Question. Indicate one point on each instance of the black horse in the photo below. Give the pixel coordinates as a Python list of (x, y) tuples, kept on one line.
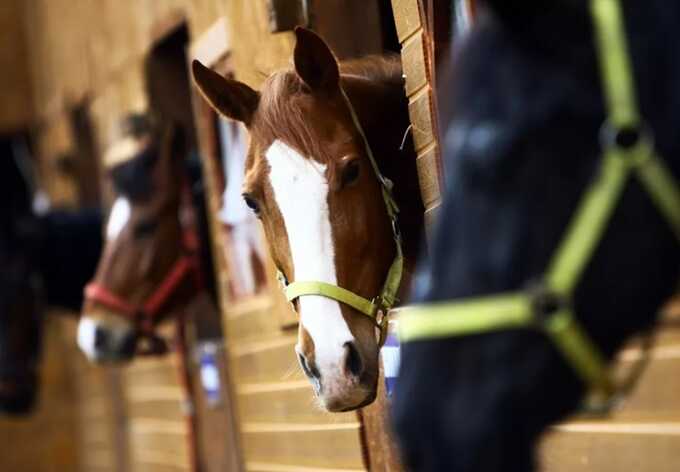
[(521, 146), (45, 260)]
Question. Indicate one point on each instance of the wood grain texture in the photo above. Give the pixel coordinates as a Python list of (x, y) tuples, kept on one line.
[(333, 447), (413, 63)]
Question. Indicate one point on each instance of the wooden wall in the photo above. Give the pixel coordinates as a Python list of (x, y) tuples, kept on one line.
[(16, 94), (644, 434), (47, 440)]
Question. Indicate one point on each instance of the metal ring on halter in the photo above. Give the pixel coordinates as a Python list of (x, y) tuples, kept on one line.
[(613, 137)]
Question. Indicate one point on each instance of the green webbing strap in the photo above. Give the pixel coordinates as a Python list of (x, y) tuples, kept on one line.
[(503, 312), (587, 226), (619, 89), (299, 289), (577, 348), (663, 189), (388, 295), (615, 69), (585, 230), (471, 316)]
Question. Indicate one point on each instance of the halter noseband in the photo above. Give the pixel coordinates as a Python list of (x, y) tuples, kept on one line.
[(145, 316), (549, 308), (378, 307)]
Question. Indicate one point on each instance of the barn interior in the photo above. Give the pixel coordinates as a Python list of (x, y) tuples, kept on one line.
[(233, 398)]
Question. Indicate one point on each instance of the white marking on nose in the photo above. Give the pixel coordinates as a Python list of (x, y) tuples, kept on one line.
[(118, 218), (86, 337), (301, 193)]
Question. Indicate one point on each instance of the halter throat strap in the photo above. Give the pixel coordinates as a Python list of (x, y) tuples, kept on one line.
[(378, 307), (549, 308)]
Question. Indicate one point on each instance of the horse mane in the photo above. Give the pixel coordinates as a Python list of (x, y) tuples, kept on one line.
[(384, 69), (281, 115), (133, 178)]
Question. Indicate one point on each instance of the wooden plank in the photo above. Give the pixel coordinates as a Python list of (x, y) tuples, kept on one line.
[(273, 361), (213, 44), (413, 63), (406, 17), (291, 401), (331, 447), (428, 176), (611, 447), (420, 111), (266, 467)]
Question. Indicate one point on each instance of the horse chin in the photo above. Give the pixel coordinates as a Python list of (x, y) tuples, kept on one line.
[(105, 343), (351, 398)]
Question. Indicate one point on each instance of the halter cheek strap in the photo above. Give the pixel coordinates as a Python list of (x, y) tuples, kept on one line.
[(378, 307), (548, 309)]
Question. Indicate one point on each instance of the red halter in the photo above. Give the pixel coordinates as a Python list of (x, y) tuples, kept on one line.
[(145, 315)]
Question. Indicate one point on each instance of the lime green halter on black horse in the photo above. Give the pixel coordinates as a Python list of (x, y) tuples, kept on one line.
[(628, 152), (556, 241)]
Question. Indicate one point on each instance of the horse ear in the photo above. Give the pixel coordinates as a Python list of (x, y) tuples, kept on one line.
[(233, 99), (314, 61)]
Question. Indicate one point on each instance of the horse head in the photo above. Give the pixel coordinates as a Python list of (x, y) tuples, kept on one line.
[(147, 269), (309, 180)]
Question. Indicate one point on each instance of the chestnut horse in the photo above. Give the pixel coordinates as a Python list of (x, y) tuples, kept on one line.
[(310, 181), (525, 144), (151, 267)]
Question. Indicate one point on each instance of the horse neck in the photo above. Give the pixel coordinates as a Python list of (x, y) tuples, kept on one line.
[(383, 111)]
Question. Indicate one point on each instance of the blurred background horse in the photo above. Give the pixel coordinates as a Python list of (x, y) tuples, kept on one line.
[(46, 259), (153, 264)]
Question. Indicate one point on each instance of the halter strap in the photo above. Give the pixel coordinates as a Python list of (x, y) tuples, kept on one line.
[(378, 307), (549, 309)]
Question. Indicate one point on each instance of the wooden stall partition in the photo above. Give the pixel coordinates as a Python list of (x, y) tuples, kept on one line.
[(156, 405), (417, 55), (101, 414), (642, 435)]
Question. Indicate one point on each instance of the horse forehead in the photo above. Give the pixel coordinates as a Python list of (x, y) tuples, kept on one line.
[(118, 218), (287, 165)]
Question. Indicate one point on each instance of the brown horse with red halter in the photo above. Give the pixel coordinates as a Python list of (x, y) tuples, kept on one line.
[(150, 265), (326, 173)]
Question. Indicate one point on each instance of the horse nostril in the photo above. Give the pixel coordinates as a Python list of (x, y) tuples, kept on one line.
[(100, 338), (353, 363), (309, 368)]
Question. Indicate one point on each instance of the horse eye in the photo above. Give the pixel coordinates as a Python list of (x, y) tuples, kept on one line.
[(350, 173), (145, 228), (252, 204)]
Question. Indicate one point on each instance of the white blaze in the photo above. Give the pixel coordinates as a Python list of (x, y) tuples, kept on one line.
[(301, 193), (86, 337), (118, 218)]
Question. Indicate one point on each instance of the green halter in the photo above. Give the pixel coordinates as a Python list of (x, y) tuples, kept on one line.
[(378, 307), (549, 308)]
